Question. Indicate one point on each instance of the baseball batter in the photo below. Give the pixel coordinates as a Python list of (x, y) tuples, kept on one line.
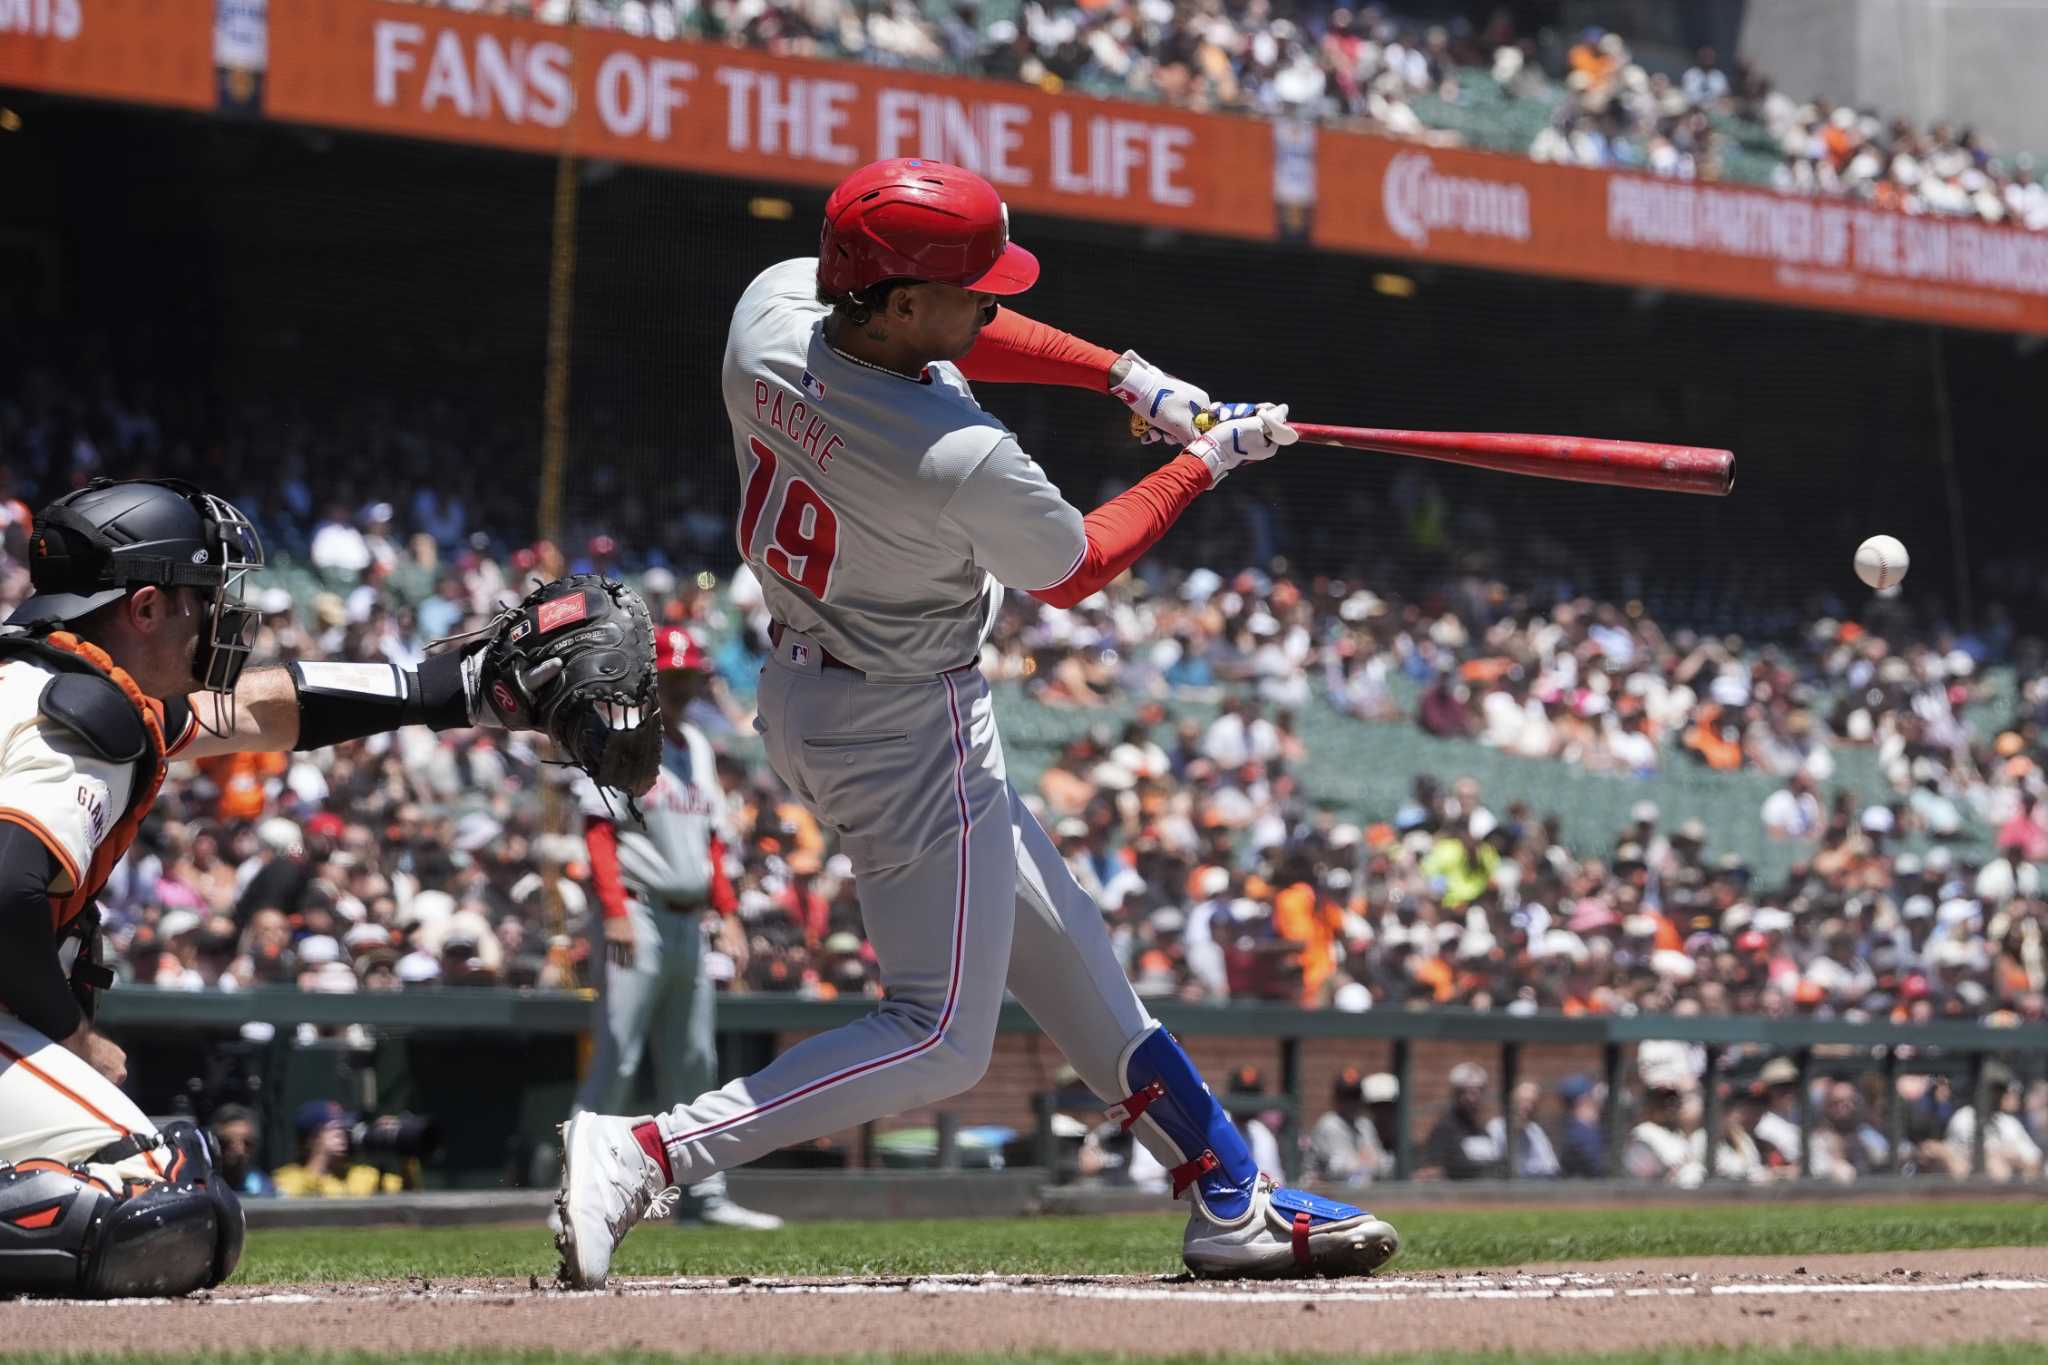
[(885, 513), (657, 869), (131, 652)]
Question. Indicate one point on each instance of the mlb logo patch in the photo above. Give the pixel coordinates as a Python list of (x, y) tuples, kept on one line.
[(560, 612), (814, 386), (800, 654)]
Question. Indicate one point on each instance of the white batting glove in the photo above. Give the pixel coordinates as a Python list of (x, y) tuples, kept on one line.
[(1167, 403), (1244, 440)]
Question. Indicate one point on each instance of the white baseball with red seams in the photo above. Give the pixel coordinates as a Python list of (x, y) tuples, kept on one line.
[(1881, 562)]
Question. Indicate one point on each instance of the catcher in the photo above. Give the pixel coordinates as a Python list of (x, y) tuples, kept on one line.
[(129, 654)]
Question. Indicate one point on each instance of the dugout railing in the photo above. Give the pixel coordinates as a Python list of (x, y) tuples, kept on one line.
[(509, 1058)]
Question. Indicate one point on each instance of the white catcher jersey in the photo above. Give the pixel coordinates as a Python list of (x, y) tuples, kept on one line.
[(883, 514), (666, 855), (51, 782)]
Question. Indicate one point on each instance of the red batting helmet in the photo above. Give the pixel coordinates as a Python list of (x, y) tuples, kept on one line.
[(673, 649), (911, 219)]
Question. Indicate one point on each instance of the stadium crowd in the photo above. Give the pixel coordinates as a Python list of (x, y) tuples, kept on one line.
[(1370, 67)]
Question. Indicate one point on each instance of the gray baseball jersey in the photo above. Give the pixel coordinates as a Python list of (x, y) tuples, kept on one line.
[(882, 513), (666, 854)]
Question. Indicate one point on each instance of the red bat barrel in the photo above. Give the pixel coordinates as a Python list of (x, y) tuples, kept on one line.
[(1578, 459)]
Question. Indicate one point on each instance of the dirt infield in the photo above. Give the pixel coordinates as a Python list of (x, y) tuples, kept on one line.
[(1925, 1298)]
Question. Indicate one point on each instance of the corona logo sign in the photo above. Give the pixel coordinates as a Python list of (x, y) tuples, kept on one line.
[(1417, 200)]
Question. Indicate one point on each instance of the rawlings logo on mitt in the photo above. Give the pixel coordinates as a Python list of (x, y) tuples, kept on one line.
[(576, 659)]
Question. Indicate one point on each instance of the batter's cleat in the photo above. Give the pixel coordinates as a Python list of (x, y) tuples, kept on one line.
[(719, 1212), (1287, 1232), (608, 1185)]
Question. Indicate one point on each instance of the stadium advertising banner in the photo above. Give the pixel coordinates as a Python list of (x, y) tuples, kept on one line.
[(702, 107), (144, 51), (1476, 208), (424, 71)]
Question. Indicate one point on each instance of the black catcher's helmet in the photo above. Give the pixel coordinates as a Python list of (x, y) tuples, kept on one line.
[(94, 546)]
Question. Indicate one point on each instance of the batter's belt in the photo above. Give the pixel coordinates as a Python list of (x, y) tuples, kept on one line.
[(825, 656)]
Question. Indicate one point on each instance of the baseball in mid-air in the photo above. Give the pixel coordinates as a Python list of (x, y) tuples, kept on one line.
[(1881, 562)]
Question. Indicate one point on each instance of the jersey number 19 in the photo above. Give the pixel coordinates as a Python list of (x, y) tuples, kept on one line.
[(805, 535)]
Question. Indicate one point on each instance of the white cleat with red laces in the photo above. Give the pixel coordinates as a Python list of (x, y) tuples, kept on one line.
[(608, 1185)]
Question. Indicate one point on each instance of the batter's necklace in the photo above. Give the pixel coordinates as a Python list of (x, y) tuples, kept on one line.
[(923, 377)]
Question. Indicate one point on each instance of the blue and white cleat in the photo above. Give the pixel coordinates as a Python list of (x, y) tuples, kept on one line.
[(1287, 1232)]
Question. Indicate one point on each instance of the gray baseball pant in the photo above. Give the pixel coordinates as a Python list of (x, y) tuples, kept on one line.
[(961, 893)]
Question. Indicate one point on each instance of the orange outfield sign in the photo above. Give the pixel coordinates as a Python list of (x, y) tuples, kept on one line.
[(421, 71), (1506, 213), (145, 51), (702, 107)]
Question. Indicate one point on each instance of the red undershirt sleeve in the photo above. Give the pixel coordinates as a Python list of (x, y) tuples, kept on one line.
[(724, 899), (1128, 525), (1016, 350), (602, 837)]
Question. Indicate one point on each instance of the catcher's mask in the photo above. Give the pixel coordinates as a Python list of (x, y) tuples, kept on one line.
[(94, 546)]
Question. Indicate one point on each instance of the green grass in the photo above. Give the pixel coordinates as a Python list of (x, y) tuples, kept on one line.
[(1987, 1353), (1144, 1244)]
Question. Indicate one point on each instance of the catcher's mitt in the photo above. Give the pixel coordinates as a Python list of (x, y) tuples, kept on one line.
[(576, 659)]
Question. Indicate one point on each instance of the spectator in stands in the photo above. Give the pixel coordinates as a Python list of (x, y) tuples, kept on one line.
[(1459, 1147), (1662, 1147), (1793, 811), (235, 1139), (324, 1168), (2010, 1151), (1582, 1137), (1534, 1156), (1344, 1144)]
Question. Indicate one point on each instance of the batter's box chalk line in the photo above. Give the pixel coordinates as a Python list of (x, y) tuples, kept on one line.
[(1164, 1289)]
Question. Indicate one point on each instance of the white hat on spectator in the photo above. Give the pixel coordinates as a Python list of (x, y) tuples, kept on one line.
[(1448, 931), (1482, 823), (1877, 820), (1418, 842), (1214, 881), (1201, 584), (1352, 998), (1072, 827), (1940, 859), (658, 581), (368, 936), (280, 835), (1475, 943), (1167, 920), (176, 924), (1361, 606), (428, 908), (333, 978), (414, 968), (1644, 813), (476, 830), (1771, 920), (473, 928), (1958, 910), (1344, 835), (1382, 1087), (1736, 917), (1952, 952), (1672, 965), (1562, 943), (316, 949), (839, 866), (1639, 925), (274, 602)]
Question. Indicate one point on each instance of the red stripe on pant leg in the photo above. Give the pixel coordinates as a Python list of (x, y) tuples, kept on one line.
[(946, 1010), (68, 1093)]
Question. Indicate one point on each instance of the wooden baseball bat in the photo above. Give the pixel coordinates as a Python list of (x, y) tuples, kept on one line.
[(1577, 459)]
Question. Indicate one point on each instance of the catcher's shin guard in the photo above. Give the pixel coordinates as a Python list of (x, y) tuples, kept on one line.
[(1164, 1090), (67, 1235)]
